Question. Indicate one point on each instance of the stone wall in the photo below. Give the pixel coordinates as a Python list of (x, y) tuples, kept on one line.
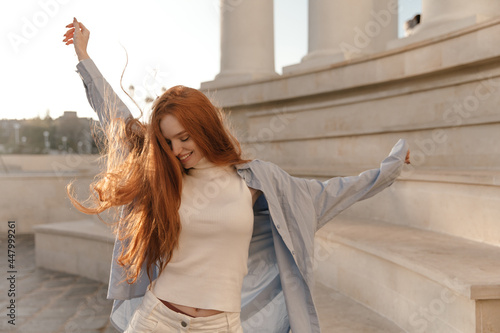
[(442, 95), (33, 188)]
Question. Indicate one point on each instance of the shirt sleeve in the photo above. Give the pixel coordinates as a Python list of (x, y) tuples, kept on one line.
[(331, 197), (100, 95)]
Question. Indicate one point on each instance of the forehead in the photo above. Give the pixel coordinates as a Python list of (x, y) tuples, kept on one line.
[(170, 126)]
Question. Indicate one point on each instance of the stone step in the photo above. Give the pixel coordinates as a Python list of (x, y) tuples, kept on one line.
[(462, 203), (83, 248), (422, 281), (340, 314)]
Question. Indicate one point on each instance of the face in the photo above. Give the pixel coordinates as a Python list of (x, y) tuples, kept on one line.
[(183, 147)]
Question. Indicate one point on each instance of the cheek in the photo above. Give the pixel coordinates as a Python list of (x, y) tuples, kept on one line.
[(194, 147), (191, 146)]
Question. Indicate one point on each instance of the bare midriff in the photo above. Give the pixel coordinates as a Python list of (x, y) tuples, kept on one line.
[(190, 311)]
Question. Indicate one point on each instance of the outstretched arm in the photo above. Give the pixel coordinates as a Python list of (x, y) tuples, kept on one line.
[(336, 194), (100, 95)]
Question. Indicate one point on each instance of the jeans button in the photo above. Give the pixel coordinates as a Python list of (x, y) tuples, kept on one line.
[(184, 324)]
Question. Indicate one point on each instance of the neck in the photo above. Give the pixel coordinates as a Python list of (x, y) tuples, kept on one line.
[(204, 163)]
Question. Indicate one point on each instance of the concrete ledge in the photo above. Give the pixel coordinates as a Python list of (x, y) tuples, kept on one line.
[(40, 198), (82, 247), (453, 176), (417, 59), (458, 204), (439, 257), (420, 280)]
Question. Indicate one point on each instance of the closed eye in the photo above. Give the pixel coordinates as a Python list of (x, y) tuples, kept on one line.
[(185, 139)]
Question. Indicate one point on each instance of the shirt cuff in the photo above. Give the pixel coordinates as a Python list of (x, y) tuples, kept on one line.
[(88, 70)]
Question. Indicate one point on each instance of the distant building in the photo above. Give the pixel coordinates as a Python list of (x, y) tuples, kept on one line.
[(66, 134)]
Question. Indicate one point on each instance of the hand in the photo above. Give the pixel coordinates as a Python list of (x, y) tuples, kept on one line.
[(78, 35), (407, 159)]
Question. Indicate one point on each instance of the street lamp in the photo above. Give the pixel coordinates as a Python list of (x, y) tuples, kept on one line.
[(17, 126), (46, 140), (64, 141)]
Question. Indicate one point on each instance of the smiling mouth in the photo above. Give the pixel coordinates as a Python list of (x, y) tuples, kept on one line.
[(184, 157)]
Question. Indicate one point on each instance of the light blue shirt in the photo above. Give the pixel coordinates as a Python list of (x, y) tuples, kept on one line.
[(276, 293)]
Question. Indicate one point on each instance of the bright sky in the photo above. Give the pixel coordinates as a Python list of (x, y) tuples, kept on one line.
[(177, 40)]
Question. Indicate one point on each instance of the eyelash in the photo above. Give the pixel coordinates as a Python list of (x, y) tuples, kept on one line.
[(184, 140)]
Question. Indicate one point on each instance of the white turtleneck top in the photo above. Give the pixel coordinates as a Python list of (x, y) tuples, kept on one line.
[(207, 269)]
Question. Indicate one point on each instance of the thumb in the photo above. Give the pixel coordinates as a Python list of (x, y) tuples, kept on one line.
[(84, 29), (76, 25)]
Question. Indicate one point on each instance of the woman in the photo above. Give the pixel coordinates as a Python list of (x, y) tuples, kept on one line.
[(198, 217)]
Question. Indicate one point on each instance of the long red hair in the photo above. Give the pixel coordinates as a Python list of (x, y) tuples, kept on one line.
[(144, 175)]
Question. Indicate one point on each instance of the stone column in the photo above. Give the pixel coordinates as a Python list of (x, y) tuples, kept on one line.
[(443, 16), (247, 42), (345, 29)]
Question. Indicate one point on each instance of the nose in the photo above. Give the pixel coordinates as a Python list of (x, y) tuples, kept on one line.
[(176, 148)]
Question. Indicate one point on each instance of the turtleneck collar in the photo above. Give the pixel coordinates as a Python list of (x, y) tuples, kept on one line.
[(203, 163), (205, 168)]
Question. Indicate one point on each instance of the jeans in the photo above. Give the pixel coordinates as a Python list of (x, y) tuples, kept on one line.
[(153, 316)]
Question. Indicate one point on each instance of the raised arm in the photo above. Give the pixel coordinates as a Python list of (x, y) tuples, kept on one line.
[(100, 95)]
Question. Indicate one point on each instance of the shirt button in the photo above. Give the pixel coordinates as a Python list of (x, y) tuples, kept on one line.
[(293, 253), (184, 324), (277, 226)]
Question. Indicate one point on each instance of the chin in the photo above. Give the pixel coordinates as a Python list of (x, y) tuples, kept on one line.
[(191, 164)]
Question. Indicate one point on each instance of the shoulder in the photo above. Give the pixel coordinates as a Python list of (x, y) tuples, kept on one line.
[(264, 173), (260, 166)]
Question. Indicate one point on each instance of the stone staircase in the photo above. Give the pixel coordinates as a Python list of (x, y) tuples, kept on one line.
[(425, 265)]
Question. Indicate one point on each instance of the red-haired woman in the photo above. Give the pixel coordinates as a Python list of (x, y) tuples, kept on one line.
[(207, 241)]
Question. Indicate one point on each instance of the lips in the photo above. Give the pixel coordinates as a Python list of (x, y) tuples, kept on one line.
[(183, 158)]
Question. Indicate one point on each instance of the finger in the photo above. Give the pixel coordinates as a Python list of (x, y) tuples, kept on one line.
[(69, 32), (82, 26), (69, 25), (76, 24)]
